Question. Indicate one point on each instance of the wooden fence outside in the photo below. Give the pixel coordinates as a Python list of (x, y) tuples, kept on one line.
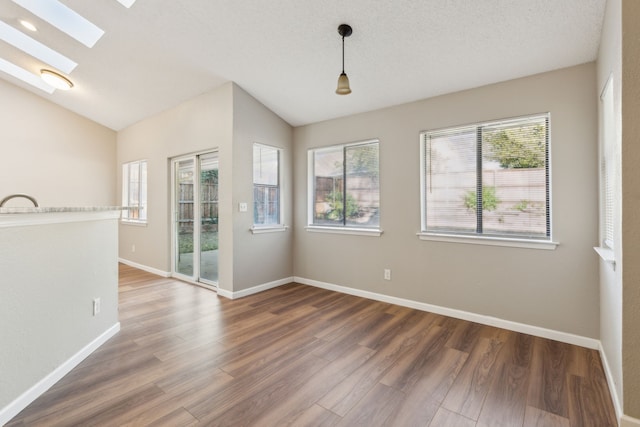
[(208, 203)]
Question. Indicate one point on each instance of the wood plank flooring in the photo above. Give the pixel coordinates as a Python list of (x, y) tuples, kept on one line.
[(302, 356)]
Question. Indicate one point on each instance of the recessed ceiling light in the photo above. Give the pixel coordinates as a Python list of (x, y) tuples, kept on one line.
[(65, 19), (56, 80), (28, 25), (24, 75), (127, 3), (36, 49)]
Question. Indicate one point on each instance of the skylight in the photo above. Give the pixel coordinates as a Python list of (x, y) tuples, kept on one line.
[(24, 75), (35, 48), (64, 19)]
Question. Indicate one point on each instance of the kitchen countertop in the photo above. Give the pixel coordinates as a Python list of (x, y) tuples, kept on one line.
[(32, 210), (26, 216)]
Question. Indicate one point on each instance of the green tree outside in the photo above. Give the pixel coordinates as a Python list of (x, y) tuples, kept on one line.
[(517, 148)]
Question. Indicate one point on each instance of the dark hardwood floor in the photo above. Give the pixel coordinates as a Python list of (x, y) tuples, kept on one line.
[(302, 356)]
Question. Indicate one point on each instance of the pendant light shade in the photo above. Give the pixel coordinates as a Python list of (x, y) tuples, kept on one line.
[(343, 85), (343, 81)]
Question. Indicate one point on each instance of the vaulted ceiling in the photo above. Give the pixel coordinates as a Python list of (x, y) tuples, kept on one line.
[(287, 53)]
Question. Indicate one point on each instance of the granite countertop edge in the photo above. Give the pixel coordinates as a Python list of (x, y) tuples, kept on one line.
[(44, 210)]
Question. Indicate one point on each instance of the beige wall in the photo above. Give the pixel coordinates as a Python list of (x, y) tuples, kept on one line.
[(551, 289), (620, 289), (631, 206), (229, 121), (201, 124), (59, 157), (50, 275), (259, 258), (62, 159), (610, 65)]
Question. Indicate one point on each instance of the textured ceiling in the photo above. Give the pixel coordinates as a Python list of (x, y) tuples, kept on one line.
[(286, 53)]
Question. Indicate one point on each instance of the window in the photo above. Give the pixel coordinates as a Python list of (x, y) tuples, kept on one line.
[(608, 164), (488, 180), (344, 186), (266, 186), (134, 191)]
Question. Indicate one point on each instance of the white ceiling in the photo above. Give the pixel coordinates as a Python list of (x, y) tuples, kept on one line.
[(287, 53)]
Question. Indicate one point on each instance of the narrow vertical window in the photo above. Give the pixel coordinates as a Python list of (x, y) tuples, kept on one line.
[(134, 191), (345, 187), (608, 162), (266, 186)]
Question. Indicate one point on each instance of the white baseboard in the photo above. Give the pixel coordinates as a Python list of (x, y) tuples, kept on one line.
[(25, 399), (145, 268), (222, 292), (617, 404), (460, 314), (626, 421), (255, 289)]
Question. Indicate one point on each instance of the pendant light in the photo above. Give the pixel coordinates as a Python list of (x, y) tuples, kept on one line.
[(343, 81)]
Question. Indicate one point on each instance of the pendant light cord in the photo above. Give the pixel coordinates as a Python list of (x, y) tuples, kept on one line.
[(342, 54)]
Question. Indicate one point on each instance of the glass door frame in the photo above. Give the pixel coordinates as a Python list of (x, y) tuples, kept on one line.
[(197, 278)]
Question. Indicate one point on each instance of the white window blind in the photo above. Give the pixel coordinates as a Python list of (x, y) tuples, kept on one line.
[(266, 185), (489, 179), (134, 191), (608, 165)]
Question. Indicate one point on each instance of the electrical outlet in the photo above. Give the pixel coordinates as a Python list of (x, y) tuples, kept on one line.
[(133, 248), (387, 274), (96, 306), (243, 207)]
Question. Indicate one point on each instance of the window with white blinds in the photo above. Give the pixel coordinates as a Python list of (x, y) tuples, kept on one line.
[(134, 191), (266, 185), (489, 179), (608, 165)]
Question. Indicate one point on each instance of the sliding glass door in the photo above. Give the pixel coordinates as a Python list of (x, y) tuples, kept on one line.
[(195, 227), (208, 242)]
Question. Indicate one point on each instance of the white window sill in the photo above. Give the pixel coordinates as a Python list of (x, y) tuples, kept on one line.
[(134, 223), (273, 229), (490, 241), (375, 232), (607, 255)]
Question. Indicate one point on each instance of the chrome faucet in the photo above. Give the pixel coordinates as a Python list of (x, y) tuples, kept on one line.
[(6, 199)]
